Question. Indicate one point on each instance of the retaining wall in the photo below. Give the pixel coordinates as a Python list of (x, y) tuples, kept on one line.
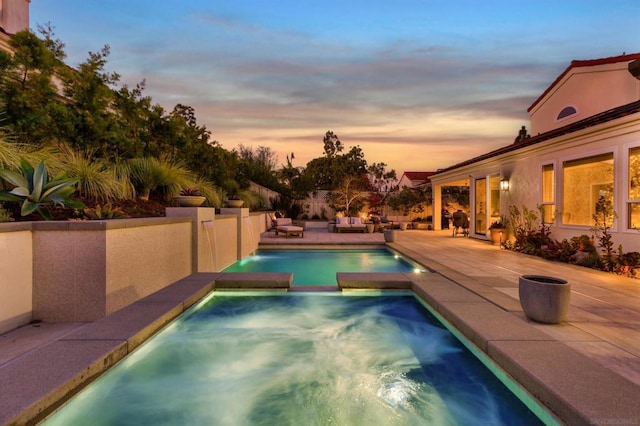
[(82, 271)]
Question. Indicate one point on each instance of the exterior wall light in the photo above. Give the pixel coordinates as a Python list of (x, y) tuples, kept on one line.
[(504, 184)]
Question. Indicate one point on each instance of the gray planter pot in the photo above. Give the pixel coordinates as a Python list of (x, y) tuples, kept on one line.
[(389, 235), (234, 203), (544, 299), (190, 200)]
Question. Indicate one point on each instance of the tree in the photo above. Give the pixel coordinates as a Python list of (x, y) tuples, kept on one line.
[(332, 144), (329, 171), (381, 183), (258, 166), (201, 155), (28, 94), (90, 101), (456, 195), (408, 200), (348, 196)]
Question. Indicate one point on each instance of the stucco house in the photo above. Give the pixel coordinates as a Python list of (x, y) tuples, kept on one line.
[(584, 144), (14, 17), (414, 179)]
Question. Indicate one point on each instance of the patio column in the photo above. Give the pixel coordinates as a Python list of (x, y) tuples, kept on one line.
[(437, 207)]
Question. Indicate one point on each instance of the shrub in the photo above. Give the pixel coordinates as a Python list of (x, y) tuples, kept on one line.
[(162, 177), (104, 212), (98, 181), (5, 215), (190, 192), (499, 224), (532, 235), (603, 218)]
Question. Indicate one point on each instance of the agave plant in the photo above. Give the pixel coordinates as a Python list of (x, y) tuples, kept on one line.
[(34, 190)]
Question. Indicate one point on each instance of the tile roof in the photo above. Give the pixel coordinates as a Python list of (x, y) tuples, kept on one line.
[(418, 175), (603, 117)]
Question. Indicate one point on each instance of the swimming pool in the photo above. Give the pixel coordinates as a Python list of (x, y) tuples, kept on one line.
[(299, 358), (319, 267)]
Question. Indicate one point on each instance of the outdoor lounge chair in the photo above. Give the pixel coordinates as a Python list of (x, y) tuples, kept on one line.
[(460, 223), (286, 226), (350, 224)]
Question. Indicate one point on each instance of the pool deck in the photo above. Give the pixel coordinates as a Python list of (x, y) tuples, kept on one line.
[(586, 369)]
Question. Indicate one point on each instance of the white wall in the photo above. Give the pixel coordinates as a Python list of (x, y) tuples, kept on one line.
[(523, 170), (590, 90)]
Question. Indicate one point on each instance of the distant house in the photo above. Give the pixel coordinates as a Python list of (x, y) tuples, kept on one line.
[(585, 145), (414, 179), (14, 16)]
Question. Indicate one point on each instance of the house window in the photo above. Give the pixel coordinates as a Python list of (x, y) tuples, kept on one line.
[(548, 194), (566, 112), (481, 206), (494, 199), (633, 195), (584, 181)]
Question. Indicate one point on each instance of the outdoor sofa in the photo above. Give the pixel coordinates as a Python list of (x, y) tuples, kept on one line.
[(350, 224), (399, 222)]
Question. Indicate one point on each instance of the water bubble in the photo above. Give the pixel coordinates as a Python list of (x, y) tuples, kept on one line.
[(396, 390)]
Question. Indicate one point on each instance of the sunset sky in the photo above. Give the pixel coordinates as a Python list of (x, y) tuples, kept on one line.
[(418, 84)]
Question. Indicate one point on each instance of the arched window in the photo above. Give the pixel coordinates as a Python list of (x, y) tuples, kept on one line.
[(566, 112)]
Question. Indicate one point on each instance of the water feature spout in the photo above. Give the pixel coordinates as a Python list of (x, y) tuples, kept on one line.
[(252, 245), (211, 238)]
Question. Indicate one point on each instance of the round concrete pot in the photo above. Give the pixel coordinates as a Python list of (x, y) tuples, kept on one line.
[(544, 299), (190, 200), (234, 203)]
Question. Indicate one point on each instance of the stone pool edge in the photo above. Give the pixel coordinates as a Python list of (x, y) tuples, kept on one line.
[(576, 389)]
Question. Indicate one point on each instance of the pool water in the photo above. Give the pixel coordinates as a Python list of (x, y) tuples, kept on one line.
[(319, 267), (299, 359)]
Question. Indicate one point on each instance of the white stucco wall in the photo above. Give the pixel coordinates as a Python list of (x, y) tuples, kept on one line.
[(523, 168), (590, 90)]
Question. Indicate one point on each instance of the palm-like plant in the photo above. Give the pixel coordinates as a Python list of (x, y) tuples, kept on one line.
[(33, 188)]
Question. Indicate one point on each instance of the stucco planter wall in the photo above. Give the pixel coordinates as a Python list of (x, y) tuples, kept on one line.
[(544, 299), (86, 270), (81, 271), (16, 267)]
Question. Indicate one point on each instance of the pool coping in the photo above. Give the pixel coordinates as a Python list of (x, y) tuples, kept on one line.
[(575, 388)]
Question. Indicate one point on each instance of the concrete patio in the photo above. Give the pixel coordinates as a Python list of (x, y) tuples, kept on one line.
[(587, 369)]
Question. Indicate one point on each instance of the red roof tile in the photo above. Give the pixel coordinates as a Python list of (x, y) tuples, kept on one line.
[(418, 175)]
